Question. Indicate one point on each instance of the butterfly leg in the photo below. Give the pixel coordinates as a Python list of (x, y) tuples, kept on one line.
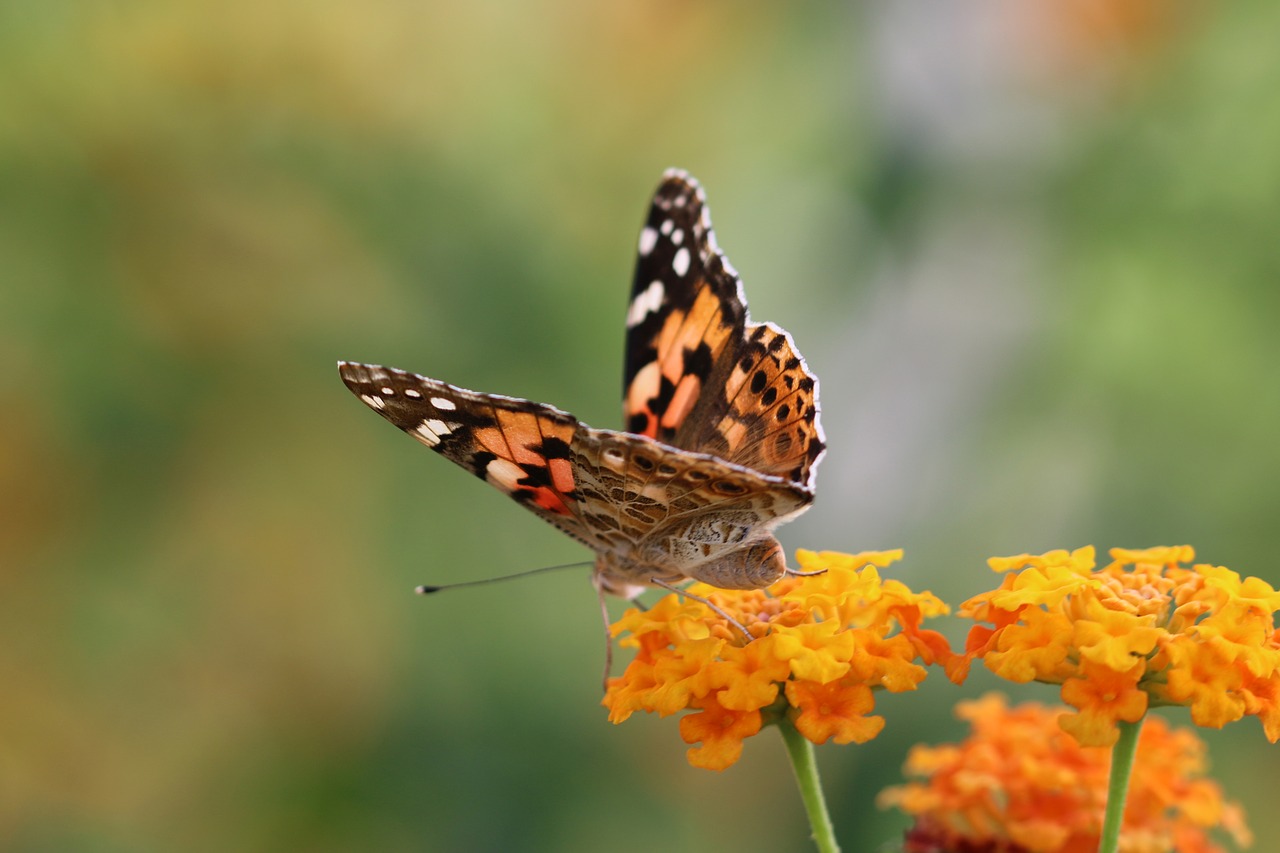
[(608, 639), (812, 574), (719, 611)]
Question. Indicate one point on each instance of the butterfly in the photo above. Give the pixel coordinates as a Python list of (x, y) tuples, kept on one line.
[(722, 437)]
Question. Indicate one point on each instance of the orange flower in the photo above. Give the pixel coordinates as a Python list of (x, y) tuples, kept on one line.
[(1019, 783), (1103, 697), (1144, 630), (721, 732), (820, 646), (834, 711)]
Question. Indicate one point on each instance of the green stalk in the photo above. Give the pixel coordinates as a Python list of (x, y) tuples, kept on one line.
[(1122, 754), (800, 751)]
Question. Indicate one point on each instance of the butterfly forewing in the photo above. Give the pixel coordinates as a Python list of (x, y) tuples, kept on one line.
[(521, 447), (607, 489), (698, 374)]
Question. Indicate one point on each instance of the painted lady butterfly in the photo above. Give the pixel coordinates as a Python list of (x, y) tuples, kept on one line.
[(722, 440)]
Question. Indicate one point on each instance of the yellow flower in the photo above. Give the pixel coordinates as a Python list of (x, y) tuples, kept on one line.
[(817, 651), (820, 646), (1019, 783), (1112, 638), (1145, 630)]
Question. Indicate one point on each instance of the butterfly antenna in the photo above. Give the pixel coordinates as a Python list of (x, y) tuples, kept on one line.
[(427, 589)]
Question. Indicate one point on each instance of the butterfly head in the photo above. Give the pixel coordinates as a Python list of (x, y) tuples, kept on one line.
[(612, 585)]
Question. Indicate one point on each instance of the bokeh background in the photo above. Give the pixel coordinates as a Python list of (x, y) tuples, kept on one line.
[(1030, 248)]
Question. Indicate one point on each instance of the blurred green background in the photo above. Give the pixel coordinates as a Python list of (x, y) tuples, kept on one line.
[(1030, 250)]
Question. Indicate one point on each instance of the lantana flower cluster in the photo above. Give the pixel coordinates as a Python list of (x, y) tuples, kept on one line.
[(1019, 783), (819, 647), (1145, 630)]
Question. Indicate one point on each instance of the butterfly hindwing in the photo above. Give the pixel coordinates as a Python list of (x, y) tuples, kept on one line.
[(771, 421), (658, 511), (698, 374)]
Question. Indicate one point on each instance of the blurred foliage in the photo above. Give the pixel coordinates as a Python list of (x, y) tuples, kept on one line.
[(1029, 252)]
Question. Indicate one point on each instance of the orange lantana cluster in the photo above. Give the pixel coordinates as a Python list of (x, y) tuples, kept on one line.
[(1144, 630), (1019, 783), (819, 646)]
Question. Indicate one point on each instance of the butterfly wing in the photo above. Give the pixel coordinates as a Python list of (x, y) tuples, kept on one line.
[(521, 447), (623, 495), (698, 373)]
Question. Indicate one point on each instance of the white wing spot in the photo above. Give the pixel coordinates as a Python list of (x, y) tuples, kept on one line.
[(443, 403), (504, 473), (410, 392), (667, 226), (677, 236), (680, 263), (648, 239), (437, 426), (681, 200), (428, 437), (372, 401), (646, 302), (388, 392)]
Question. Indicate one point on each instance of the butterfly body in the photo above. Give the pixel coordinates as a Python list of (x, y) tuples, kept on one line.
[(722, 435)]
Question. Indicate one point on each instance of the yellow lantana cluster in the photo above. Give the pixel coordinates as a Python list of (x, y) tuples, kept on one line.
[(1145, 630), (819, 646), (1020, 783)]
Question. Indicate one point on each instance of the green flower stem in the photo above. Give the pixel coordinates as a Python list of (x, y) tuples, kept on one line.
[(800, 751), (1118, 788)]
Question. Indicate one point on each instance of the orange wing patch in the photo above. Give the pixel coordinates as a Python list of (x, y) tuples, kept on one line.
[(518, 446), (521, 441), (688, 345)]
